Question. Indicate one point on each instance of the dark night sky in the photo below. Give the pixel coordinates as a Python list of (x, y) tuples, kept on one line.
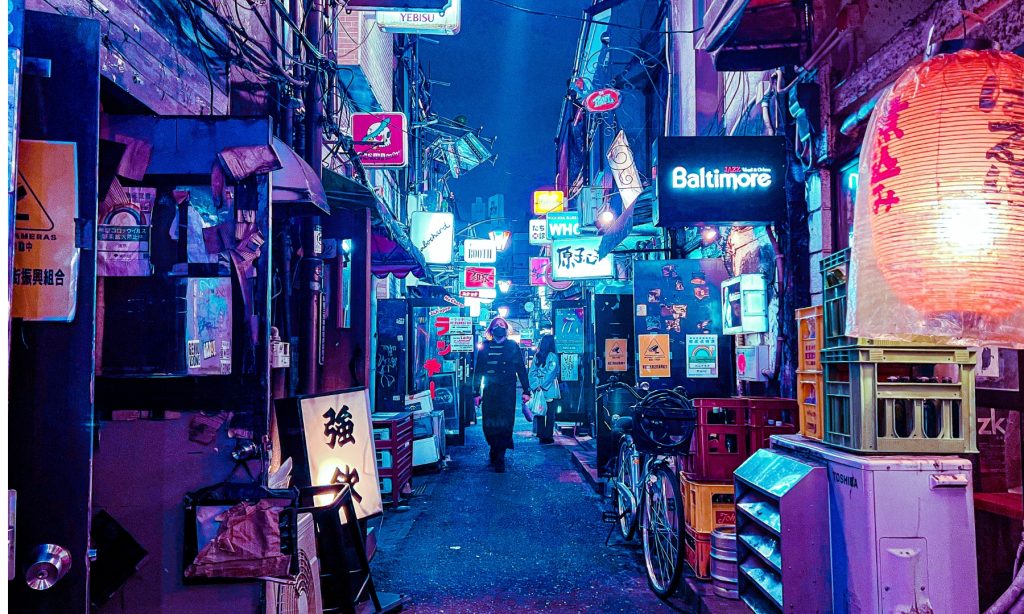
[(508, 73)]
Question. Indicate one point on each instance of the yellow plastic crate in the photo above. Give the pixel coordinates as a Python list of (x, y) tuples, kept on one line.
[(811, 327), (707, 505), (810, 391)]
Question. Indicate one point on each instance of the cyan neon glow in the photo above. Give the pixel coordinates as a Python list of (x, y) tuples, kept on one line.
[(731, 177)]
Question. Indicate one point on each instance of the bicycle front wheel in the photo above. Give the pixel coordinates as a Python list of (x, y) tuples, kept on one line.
[(624, 508), (662, 531)]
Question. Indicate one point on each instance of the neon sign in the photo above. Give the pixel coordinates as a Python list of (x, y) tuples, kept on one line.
[(602, 100), (731, 177)]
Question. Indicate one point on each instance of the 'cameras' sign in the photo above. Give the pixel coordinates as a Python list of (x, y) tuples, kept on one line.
[(720, 180)]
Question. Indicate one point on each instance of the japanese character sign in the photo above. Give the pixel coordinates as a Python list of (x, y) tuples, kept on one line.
[(339, 447), (578, 258)]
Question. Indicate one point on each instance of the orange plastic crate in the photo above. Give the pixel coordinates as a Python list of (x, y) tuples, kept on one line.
[(810, 390), (698, 553), (810, 324), (708, 505)]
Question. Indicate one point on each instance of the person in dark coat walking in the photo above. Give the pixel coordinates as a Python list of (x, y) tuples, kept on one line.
[(498, 363)]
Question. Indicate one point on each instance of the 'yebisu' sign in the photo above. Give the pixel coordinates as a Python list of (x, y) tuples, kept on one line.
[(720, 180)]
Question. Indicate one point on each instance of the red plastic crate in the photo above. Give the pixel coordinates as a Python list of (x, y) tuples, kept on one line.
[(720, 411), (759, 435), (762, 409), (716, 451), (698, 553)]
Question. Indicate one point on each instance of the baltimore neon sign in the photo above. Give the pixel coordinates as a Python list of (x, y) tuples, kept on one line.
[(729, 178)]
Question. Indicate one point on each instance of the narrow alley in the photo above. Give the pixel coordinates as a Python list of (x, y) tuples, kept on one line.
[(529, 540)]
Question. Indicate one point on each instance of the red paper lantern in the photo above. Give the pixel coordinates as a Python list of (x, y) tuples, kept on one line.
[(942, 182)]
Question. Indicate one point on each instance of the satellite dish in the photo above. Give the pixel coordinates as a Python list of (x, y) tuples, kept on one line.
[(529, 307)]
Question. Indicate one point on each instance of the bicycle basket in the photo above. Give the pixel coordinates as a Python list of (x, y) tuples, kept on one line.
[(664, 424)]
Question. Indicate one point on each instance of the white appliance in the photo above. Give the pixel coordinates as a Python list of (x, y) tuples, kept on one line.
[(902, 530), (745, 305), (301, 595), (428, 445)]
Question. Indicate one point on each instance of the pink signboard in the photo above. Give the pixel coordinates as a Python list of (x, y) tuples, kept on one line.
[(381, 139), (539, 271), (479, 277)]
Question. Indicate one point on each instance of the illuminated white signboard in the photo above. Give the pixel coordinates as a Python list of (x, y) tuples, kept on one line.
[(433, 234), (577, 258), (539, 232), (480, 251), (563, 225), (446, 22)]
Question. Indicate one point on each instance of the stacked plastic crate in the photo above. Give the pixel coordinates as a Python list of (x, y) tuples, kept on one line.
[(392, 440), (810, 378), (728, 432), (888, 397)]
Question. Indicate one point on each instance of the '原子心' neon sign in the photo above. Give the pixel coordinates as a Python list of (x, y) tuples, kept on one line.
[(730, 178)]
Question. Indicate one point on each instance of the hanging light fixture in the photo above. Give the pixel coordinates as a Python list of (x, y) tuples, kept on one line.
[(940, 208)]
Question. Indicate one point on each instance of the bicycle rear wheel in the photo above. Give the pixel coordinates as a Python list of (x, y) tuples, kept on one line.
[(662, 531), (624, 507)]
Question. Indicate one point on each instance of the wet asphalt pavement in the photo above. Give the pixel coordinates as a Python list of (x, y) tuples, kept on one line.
[(529, 540)]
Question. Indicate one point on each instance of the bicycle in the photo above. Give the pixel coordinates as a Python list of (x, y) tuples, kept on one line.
[(646, 484)]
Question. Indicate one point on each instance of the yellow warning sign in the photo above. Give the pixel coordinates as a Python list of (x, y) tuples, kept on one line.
[(615, 355), (45, 257), (655, 358)]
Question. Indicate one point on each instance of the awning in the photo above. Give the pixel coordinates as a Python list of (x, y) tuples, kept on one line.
[(749, 35), (296, 184), (392, 252), (639, 214)]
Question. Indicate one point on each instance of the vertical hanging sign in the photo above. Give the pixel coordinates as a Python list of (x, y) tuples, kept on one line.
[(45, 253)]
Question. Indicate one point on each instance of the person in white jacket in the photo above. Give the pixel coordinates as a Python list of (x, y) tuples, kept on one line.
[(544, 381)]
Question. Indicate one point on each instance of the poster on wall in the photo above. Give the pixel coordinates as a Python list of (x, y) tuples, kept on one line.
[(655, 356), (336, 445), (702, 356), (569, 330), (615, 358), (45, 276), (679, 298), (570, 367), (208, 326)]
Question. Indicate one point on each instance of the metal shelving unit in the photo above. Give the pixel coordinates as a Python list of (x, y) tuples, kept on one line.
[(782, 534)]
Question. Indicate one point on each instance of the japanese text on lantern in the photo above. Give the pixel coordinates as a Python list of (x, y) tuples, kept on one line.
[(1003, 151), (885, 166)]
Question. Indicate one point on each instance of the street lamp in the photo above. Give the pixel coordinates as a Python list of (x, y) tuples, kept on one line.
[(500, 238), (503, 311), (504, 285)]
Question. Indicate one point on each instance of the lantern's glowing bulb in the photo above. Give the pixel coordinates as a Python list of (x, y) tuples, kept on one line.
[(967, 225), (503, 312), (606, 218)]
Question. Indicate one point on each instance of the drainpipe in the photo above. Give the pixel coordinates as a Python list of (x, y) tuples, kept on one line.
[(312, 237)]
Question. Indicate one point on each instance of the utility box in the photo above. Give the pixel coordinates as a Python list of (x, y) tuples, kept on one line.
[(744, 305), (902, 530), (752, 362)]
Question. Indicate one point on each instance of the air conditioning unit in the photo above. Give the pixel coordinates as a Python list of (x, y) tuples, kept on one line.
[(884, 558), (302, 594)]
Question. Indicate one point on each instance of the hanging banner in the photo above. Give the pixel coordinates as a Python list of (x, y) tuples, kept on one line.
[(548, 201), (563, 225), (339, 447), (655, 359), (45, 277), (627, 178), (381, 140), (479, 277), (482, 251), (539, 232), (570, 367), (578, 258), (702, 356), (434, 235), (615, 355)]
